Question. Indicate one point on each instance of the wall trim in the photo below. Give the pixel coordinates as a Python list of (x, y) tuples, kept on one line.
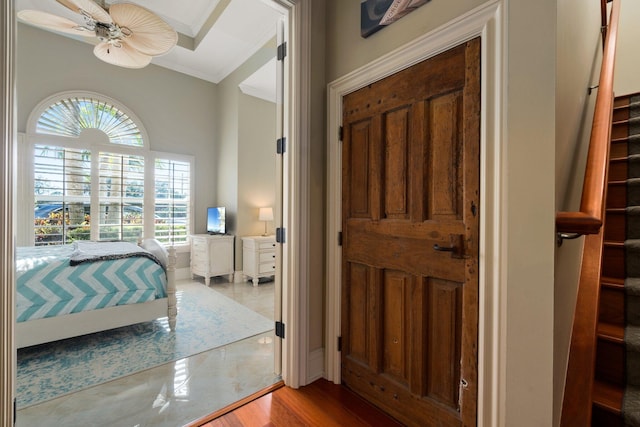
[(7, 185), (485, 21), (295, 203), (316, 365)]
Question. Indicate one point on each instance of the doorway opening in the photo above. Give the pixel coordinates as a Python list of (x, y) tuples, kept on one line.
[(293, 216)]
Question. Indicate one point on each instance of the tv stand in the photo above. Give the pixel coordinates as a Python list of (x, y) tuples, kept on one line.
[(211, 256)]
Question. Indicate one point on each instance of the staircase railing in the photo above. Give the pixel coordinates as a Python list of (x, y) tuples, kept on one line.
[(590, 217), (576, 408)]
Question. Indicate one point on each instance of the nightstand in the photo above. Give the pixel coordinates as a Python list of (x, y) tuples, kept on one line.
[(258, 257), (211, 255)]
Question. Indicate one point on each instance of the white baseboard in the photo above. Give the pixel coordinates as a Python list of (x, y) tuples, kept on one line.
[(238, 277), (183, 273), (316, 365)]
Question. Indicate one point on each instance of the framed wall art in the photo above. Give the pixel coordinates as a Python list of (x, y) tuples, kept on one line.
[(377, 14)]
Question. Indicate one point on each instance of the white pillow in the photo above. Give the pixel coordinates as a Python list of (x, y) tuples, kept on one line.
[(157, 249)]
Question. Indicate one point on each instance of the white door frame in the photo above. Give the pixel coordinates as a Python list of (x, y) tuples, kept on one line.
[(486, 22), (7, 184), (295, 203), (295, 212)]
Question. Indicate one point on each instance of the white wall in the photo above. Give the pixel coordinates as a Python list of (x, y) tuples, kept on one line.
[(627, 59), (579, 57)]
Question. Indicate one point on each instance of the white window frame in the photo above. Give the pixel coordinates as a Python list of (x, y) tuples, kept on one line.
[(95, 142)]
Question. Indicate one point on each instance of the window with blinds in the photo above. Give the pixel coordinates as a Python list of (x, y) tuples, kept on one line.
[(62, 193), (172, 200), (68, 117), (86, 190)]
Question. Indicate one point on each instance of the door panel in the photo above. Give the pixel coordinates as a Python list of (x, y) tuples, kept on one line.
[(410, 182)]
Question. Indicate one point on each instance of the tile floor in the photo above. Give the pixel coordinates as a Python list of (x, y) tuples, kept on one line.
[(176, 393)]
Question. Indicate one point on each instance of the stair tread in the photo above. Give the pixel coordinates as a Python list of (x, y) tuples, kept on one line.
[(625, 121), (614, 243), (608, 396), (612, 282), (611, 332)]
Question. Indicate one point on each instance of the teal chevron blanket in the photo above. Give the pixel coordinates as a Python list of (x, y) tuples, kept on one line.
[(47, 286)]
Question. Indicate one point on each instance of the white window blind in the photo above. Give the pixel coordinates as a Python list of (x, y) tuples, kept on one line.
[(121, 212), (62, 192), (172, 200)]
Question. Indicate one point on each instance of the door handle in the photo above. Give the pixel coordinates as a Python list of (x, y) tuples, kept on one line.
[(456, 246)]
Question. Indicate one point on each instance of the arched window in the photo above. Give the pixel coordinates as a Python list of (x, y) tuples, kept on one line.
[(94, 177), (69, 114)]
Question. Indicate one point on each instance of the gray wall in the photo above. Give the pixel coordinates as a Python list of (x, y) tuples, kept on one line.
[(235, 115), (627, 58), (256, 164)]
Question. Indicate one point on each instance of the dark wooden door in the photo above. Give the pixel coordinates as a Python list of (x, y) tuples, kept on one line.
[(410, 200)]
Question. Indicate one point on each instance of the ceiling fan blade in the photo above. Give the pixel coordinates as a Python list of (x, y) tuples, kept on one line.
[(89, 6), (68, 4), (123, 56), (52, 22), (149, 34)]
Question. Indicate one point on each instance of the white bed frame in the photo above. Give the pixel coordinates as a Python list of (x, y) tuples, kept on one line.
[(40, 331)]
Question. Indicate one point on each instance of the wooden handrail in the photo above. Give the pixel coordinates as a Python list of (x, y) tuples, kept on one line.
[(590, 217), (578, 391)]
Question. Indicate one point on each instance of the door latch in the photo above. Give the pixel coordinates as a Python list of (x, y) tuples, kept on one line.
[(456, 246)]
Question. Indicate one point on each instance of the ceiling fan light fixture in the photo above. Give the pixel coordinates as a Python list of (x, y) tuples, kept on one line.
[(130, 35), (148, 33), (121, 54)]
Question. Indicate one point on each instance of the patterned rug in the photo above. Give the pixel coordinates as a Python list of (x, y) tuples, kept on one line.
[(206, 320)]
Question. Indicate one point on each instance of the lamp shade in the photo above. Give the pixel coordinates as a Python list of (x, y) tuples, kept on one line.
[(265, 214)]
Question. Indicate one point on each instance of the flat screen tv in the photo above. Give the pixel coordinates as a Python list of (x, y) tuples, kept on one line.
[(216, 220)]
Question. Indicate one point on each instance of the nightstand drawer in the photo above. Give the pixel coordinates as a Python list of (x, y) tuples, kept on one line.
[(199, 245), (266, 268), (200, 255), (266, 245), (267, 256)]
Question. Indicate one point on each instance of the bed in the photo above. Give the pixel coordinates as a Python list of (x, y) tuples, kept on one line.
[(65, 291)]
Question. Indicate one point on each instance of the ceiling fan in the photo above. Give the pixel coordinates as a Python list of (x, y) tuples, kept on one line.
[(129, 35)]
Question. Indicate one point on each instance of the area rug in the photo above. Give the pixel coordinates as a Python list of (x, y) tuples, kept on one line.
[(206, 320)]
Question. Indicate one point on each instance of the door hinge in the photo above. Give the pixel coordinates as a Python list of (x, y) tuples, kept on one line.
[(340, 133), (280, 329), (280, 235), (339, 238), (281, 145), (282, 51), (339, 343)]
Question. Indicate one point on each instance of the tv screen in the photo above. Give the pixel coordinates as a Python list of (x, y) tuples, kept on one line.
[(215, 220)]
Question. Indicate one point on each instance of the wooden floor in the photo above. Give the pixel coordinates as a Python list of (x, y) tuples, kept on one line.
[(319, 404)]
